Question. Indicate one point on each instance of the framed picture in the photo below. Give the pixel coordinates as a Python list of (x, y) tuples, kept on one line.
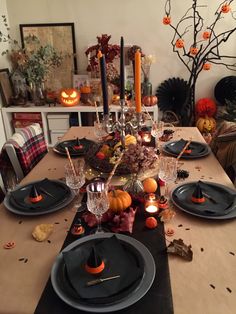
[(80, 80), (61, 36), (6, 88)]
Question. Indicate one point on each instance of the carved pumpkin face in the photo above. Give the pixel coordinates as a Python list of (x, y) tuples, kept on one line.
[(193, 50), (179, 43), (225, 8), (206, 35), (69, 97), (166, 20), (206, 66)]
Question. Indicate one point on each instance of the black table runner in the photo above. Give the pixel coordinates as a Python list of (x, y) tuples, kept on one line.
[(157, 300)]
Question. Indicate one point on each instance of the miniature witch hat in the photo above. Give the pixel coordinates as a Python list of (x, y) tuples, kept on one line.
[(197, 196), (77, 144), (94, 264), (35, 195)]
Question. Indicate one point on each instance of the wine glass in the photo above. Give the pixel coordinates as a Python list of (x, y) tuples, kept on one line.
[(97, 201), (99, 131), (75, 179), (157, 131), (167, 171)]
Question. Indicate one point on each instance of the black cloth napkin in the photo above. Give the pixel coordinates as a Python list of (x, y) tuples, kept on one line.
[(223, 199), (20, 197), (118, 261), (176, 148)]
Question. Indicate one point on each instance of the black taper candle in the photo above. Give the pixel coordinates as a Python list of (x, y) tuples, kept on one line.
[(122, 70), (104, 84)]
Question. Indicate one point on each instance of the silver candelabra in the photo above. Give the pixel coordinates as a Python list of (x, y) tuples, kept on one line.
[(122, 126)]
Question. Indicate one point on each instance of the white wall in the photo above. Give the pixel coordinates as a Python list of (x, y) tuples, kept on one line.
[(139, 21)]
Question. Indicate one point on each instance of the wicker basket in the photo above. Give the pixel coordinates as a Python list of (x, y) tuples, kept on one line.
[(170, 117)]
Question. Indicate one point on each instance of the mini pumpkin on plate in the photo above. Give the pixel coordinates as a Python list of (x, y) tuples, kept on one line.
[(119, 200)]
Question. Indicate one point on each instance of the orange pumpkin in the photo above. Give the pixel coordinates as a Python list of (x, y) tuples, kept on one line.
[(206, 66), (69, 97), (206, 35), (179, 43), (225, 8), (193, 50), (206, 124), (85, 89), (119, 200), (166, 20), (149, 100)]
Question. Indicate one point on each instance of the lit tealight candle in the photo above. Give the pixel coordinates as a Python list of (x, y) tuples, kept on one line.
[(151, 204), (146, 137)]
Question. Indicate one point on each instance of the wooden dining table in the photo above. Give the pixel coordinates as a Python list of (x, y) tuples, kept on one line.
[(206, 285)]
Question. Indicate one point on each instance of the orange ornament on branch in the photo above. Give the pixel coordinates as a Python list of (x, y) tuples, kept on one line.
[(69, 97), (179, 43), (166, 20), (206, 66), (193, 50), (225, 8), (206, 35)]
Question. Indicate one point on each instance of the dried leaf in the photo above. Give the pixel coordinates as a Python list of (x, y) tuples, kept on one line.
[(178, 247)]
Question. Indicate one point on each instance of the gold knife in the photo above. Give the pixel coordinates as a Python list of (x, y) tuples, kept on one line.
[(97, 281)]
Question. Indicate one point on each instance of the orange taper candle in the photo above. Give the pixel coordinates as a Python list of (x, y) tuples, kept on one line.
[(137, 81)]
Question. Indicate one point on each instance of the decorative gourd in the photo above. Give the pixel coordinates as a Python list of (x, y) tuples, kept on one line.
[(206, 125), (166, 20), (149, 185), (129, 139), (193, 50), (206, 66), (206, 35), (119, 200), (205, 107), (85, 89), (225, 8), (149, 100), (69, 97), (151, 222), (179, 43)]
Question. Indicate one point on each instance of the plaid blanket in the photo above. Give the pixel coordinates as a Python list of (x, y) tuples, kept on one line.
[(30, 148)]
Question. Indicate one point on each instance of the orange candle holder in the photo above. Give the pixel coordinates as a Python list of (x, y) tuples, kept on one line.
[(151, 203)]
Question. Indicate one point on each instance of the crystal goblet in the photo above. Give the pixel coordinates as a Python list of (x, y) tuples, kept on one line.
[(167, 171)]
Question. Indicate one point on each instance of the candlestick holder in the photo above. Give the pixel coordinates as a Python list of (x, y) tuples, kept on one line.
[(122, 126)]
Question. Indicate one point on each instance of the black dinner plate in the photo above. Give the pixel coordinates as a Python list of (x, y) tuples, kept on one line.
[(132, 294), (198, 150), (59, 148), (18, 203), (224, 206)]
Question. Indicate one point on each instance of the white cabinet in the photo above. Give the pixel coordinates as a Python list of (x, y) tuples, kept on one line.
[(47, 120)]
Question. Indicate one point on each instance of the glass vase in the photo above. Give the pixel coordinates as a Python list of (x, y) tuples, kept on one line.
[(37, 93), (134, 186), (146, 87)]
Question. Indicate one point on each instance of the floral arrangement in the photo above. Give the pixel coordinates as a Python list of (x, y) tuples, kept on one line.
[(110, 52), (139, 157), (32, 63), (147, 61)]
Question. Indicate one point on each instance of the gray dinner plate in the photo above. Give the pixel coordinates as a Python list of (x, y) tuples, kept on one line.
[(182, 188), (135, 295), (205, 150), (68, 199)]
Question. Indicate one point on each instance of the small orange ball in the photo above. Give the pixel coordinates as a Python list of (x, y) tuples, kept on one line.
[(151, 223), (150, 185)]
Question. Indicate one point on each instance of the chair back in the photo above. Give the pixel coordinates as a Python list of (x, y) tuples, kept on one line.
[(23, 151)]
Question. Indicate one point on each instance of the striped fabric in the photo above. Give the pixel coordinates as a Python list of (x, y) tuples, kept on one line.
[(29, 145)]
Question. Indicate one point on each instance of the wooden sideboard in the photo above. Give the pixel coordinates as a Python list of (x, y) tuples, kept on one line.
[(7, 113)]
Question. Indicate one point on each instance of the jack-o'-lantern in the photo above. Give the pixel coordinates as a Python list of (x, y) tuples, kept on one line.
[(166, 20), (193, 50), (206, 35), (206, 66), (179, 43), (149, 100), (225, 8), (69, 97), (206, 124)]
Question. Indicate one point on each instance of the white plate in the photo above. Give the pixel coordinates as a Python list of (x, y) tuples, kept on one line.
[(135, 295)]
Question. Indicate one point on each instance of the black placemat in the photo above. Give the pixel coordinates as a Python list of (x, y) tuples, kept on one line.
[(157, 300)]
